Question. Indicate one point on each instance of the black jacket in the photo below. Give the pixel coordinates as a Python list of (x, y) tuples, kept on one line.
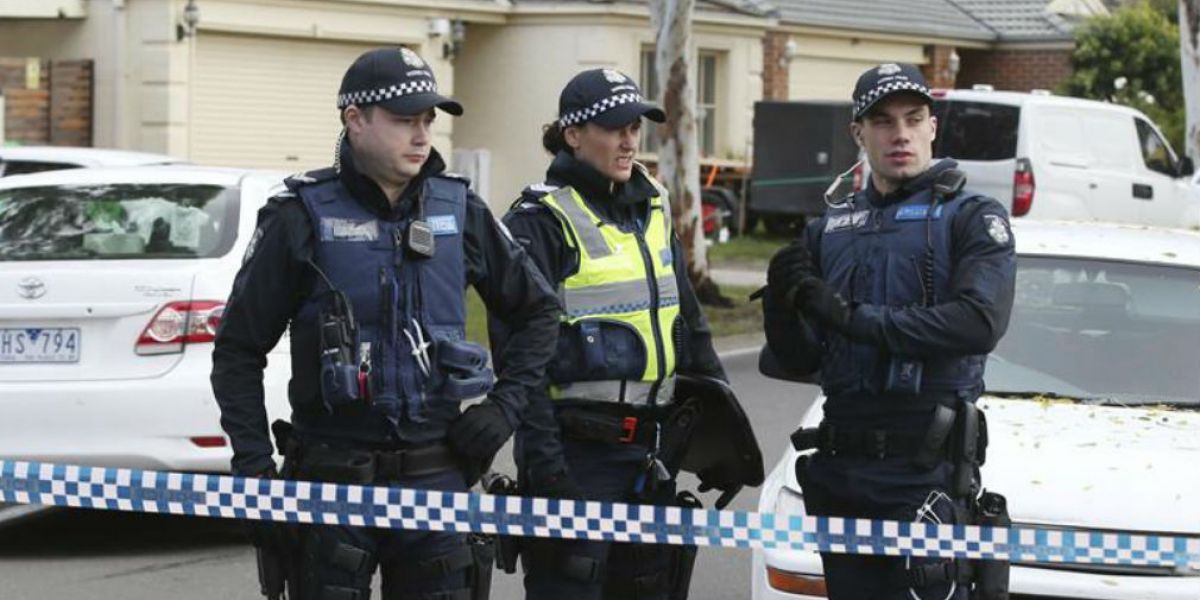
[(540, 233), (275, 278)]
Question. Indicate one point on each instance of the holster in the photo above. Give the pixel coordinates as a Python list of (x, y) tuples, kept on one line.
[(483, 551), (506, 548), (990, 576)]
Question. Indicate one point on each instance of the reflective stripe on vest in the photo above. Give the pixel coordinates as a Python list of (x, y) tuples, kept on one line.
[(626, 278)]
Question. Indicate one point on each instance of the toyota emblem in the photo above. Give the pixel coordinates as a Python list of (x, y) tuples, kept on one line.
[(31, 288)]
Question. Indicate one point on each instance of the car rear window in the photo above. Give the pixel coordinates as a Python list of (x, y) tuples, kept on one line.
[(117, 221), (25, 167), (976, 130)]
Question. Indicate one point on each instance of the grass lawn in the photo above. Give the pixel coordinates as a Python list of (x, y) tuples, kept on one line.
[(744, 317), (754, 250)]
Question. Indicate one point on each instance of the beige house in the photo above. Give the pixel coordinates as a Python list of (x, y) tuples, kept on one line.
[(252, 82)]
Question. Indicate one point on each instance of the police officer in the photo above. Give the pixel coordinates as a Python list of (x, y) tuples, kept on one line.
[(902, 290), (366, 264), (600, 230)]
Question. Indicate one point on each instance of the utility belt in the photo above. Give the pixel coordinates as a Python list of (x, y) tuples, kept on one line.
[(959, 436), (333, 462), (605, 422)]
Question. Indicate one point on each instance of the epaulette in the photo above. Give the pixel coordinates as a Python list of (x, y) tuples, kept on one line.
[(300, 180)]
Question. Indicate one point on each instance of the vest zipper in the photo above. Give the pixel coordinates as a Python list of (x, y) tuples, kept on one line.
[(659, 350)]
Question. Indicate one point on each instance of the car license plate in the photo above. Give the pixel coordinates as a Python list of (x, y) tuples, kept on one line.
[(39, 345)]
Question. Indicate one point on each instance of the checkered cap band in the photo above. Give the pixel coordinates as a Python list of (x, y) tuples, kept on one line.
[(365, 97), (584, 115), (870, 97)]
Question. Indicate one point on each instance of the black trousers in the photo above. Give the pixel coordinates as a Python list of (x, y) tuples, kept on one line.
[(890, 488)]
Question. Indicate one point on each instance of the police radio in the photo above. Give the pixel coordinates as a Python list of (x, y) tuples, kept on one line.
[(418, 236), (418, 239)]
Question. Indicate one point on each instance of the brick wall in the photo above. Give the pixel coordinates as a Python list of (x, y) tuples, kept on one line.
[(775, 67), (1016, 70), (57, 111), (937, 70)]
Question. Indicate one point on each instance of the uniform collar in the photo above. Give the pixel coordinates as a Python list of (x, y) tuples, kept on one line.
[(909, 187), (612, 200), (368, 193)]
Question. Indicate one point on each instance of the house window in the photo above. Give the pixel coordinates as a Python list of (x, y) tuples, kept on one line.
[(706, 102), (705, 82), (649, 84)]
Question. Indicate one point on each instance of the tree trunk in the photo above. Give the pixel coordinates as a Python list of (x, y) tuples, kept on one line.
[(679, 153), (1189, 41)]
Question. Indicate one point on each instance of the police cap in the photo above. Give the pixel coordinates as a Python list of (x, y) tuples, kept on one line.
[(605, 97), (886, 80), (397, 79)]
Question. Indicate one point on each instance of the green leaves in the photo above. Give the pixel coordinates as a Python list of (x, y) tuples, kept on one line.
[(1132, 57)]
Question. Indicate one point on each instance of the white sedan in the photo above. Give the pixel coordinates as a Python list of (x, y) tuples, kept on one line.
[(112, 284), (1093, 409)]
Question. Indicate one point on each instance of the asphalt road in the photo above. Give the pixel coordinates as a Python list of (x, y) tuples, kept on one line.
[(84, 555)]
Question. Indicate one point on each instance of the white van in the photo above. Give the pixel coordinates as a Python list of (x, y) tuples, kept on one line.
[(1054, 157)]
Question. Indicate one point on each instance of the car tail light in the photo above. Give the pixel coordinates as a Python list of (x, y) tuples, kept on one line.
[(857, 173), (180, 323), (1023, 188), (209, 441), (795, 583)]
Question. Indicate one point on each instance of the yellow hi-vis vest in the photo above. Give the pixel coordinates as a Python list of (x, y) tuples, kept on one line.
[(624, 279)]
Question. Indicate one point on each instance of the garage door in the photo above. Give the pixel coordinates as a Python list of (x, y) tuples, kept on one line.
[(267, 102), (818, 78)]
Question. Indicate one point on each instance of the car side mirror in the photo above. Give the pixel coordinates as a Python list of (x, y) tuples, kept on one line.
[(1187, 167)]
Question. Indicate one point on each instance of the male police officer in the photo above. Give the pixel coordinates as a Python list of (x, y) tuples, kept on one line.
[(902, 291), (368, 262)]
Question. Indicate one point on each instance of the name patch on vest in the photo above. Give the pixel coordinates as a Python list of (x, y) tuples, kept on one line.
[(348, 230), (846, 221), (443, 224), (917, 212)]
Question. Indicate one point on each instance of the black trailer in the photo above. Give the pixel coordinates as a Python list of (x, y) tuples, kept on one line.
[(799, 148)]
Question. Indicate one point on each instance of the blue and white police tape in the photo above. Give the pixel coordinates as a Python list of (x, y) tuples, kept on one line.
[(430, 510)]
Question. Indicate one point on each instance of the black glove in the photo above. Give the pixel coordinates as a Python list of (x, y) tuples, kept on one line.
[(821, 302), (272, 536), (479, 433), (560, 486), (788, 268)]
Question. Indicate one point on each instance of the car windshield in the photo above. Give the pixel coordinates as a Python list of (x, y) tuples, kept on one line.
[(1106, 331), (117, 221), (976, 130)]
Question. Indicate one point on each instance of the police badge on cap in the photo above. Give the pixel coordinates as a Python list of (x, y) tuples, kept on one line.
[(397, 79), (606, 97)]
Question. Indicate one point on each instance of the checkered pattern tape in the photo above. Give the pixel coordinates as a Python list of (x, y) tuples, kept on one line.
[(878, 92), (365, 97), (427, 510), (584, 115)]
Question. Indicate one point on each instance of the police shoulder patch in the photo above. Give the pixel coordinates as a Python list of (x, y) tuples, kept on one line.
[(997, 229)]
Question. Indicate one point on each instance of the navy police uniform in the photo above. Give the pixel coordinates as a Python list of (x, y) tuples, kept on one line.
[(373, 298), (925, 278), (567, 446)]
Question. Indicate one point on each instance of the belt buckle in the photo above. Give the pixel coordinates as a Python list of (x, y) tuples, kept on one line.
[(628, 430)]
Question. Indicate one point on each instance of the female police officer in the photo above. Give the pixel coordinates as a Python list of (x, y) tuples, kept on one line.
[(600, 230), (368, 262)]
